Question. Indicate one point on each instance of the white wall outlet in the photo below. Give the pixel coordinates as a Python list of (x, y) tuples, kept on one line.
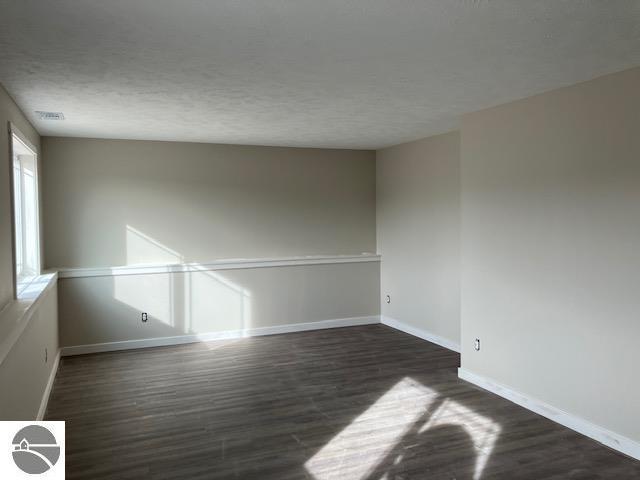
[(476, 344)]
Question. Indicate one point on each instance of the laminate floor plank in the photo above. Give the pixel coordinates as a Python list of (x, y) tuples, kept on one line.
[(363, 403)]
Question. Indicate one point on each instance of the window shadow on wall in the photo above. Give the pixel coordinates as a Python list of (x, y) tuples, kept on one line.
[(193, 302)]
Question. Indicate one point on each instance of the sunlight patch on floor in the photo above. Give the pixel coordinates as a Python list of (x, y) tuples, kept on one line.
[(356, 451)]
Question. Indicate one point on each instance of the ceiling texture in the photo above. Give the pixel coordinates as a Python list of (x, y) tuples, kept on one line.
[(313, 73)]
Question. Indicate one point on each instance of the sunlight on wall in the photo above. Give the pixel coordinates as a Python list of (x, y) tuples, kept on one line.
[(193, 302), (483, 431), (142, 249), (154, 294), (355, 452), (212, 298)]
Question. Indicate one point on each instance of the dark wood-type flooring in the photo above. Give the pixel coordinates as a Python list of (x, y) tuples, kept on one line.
[(348, 403)]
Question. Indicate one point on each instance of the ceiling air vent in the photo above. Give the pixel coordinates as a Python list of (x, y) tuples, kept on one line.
[(50, 115)]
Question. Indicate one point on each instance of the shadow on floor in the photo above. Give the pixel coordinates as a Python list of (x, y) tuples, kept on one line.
[(350, 403)]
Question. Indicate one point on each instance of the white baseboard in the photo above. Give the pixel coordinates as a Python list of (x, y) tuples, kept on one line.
[(418, 332), (228, 334), (600, 434), (47, 390)]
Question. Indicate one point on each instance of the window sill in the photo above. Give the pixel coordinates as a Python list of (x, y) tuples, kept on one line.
[(15, 316), (31, 289)]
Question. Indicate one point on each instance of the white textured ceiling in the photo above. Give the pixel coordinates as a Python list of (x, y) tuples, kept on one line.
[(321, 73)]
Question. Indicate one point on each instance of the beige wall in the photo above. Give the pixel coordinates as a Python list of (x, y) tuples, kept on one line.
[(9, 112), (107, 309), (112, 202), (418, 229), (25, 371), (550, 236)]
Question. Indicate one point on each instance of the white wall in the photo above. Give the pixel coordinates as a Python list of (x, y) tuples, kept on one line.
[(550, 256), (418, 229)]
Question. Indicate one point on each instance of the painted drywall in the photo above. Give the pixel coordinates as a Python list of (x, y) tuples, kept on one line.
[(418, 230), (25, 371), (108, 309), (550, 235), (9, 112), (111, 202)]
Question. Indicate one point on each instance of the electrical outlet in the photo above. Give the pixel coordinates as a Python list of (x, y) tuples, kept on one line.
[(145, 317), (388, 298), (476, 344)]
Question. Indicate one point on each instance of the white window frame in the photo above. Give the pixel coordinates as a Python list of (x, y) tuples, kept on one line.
[(22, 282)]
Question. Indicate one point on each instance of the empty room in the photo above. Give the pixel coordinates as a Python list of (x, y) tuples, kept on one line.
[(320, 240)]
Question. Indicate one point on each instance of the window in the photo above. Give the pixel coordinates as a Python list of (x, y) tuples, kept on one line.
[(25, 212)]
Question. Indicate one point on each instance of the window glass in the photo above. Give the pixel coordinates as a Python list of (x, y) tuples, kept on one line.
[(25, 202)]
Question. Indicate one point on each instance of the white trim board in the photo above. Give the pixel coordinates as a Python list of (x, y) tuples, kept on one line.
[(420, 333), (600, 434), (228, 264), (47, 390), (210, 336)]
